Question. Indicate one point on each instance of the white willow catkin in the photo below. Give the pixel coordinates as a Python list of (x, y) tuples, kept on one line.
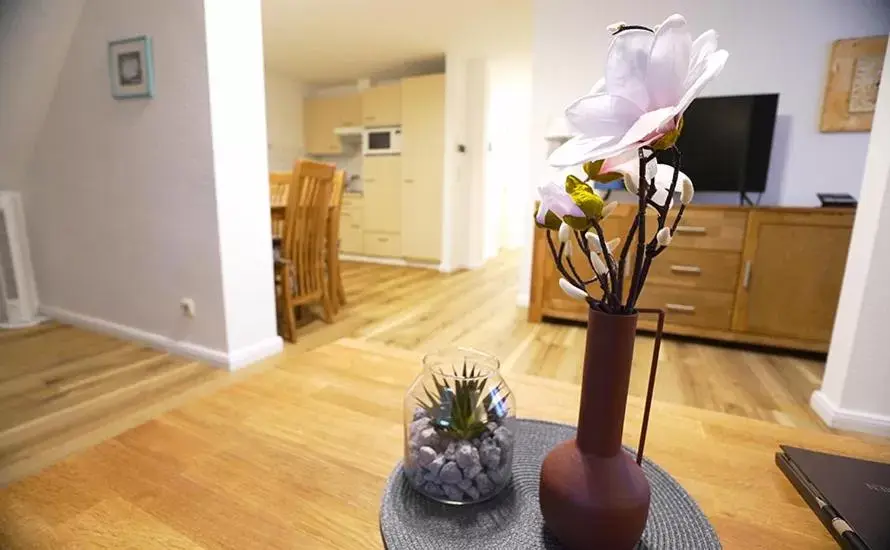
[(686, 191), (663, 237), (565, 232), (599, 266), (608, 209), (571, 290), (594, 241)]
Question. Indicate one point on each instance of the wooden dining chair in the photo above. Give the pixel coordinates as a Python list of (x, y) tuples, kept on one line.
[(300, 271), (279, 183), (335, 280)]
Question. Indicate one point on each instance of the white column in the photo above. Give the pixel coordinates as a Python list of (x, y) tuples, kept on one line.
[(241, 171), (855, 393)]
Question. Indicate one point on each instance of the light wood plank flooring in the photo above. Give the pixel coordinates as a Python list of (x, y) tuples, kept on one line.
[(63, 389)]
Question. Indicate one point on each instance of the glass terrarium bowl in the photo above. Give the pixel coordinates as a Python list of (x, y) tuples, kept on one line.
[(459, 427)]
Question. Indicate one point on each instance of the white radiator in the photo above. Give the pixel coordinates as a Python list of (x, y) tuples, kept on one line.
[(18, 291)]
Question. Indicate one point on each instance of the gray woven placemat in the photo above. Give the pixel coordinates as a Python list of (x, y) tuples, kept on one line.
[(512, 520)]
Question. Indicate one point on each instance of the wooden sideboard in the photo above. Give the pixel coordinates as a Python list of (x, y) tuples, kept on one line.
[(757, 275)]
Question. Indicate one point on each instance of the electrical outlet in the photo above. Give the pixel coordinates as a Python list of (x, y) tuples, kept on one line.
[(187, 305)]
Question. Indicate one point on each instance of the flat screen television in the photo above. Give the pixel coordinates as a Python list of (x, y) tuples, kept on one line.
[(726, 142)]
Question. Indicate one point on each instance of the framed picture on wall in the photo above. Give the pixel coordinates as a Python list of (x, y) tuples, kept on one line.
[(130, 68), (851, 91)]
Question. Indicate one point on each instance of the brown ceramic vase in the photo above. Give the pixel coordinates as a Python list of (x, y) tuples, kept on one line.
[(593, 494)]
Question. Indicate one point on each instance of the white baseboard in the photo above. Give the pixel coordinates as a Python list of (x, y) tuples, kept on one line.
[(401, 262), (218, 358), (847, 419)]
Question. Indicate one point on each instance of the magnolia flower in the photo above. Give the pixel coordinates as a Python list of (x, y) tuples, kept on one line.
[(651, 78), (663, 237), (571, 290), (554, 198)]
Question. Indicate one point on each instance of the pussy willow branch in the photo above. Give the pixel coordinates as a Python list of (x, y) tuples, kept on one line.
[(557, 259), (616, 298), (609, 298), (641, 226), (625, 248), (652, 248)]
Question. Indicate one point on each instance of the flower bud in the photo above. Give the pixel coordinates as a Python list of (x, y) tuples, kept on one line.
[(594, 242), (663, 237), (608, 209), (599, 266), (616, 26), (613, 244), (565, 232), (571, 290), (686, 191)]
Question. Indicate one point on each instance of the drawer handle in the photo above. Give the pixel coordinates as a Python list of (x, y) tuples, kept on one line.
[(680, 307), (368, 180), (746, 280), (370, 118), (691, 229), (382, 239), (409, 181), (347, 123), (685, 269), (356, 226)]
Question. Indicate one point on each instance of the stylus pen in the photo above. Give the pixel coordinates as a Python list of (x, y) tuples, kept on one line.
[(841, 527)]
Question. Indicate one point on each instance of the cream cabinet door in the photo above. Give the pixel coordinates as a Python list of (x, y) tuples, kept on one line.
[(423, 150), (319, 121), (382, 105), (382, 177)]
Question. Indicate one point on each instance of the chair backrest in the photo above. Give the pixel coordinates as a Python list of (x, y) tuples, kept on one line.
[(306, 223), (279, 183)]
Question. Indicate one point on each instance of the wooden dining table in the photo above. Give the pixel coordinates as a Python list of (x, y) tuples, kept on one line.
[(295, 454)]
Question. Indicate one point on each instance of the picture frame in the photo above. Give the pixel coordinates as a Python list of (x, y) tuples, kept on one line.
[(131, 68), (851, 89)]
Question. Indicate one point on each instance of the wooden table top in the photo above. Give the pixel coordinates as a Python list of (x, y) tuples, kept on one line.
[(295, 455)]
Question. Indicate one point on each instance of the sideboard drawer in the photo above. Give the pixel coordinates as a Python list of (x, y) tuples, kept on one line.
[(708, 229), (695, 268), (383, 244), (700, 308)]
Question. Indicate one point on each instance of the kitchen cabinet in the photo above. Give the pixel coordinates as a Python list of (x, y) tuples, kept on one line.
[(351, 224), (793, 267), (423, 152), (382, 210), (382, 105), (322, 115)]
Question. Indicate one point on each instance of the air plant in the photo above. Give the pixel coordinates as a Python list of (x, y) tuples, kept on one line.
[(460, 408)]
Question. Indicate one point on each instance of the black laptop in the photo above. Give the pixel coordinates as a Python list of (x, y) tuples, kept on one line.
[(850, 496)]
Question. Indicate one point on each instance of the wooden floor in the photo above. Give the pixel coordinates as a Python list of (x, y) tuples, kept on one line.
[(63, 389)]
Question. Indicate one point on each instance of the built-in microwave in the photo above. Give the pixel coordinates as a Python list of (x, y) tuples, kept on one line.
[(382, 141)]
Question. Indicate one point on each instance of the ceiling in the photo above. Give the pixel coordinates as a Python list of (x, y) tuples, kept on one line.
[(338, 41)]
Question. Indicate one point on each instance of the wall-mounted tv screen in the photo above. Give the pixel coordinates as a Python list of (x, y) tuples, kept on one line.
[(726, 142)]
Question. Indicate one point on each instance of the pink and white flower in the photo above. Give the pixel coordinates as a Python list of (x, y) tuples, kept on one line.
[(650, 80)]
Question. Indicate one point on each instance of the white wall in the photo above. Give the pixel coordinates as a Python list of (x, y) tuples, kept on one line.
[(775, 46), (854, 393), (34, 39), (237, 115), (284, 120), (455, 188), (508, 127), (121, 197)]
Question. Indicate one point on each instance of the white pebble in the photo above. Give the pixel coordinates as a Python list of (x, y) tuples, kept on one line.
[(467, 456), (450, 473), (453, 493), (418, 426), (431, 488), (490, 455), (435, 466), (473, 471), (473, 493), (484, 484), (428, 436), (425, 456), (465, 483)]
